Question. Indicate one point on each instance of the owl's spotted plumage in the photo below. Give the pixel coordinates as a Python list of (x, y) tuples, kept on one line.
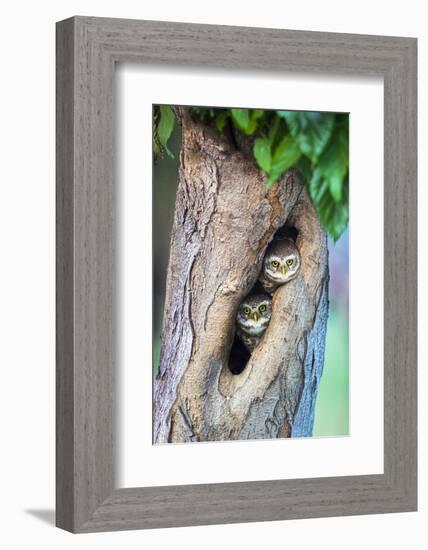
[(252, 318), (280, 265)]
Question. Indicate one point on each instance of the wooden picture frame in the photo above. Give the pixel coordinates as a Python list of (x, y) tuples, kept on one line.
[(87, 50)]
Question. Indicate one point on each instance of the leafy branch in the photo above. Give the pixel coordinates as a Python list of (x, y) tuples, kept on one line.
[(315, 143)]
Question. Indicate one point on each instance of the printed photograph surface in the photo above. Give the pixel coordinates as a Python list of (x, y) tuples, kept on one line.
[(250, 274)]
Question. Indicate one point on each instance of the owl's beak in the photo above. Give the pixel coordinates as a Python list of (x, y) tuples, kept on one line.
[(284, 269), (255, 316)]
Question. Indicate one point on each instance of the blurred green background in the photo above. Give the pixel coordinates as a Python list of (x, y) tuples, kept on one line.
[(332, 408)]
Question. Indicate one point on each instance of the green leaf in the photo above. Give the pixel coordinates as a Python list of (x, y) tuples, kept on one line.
[(335, 219), (285, 156), (246, 120), (271, 180), (166, 126), (255, 115), (335, 184), (220, 121), (304, 166), (241, 118), (273, 130), (333, 214), (333, 164), (317, 187), (311, 130), (262, 154)]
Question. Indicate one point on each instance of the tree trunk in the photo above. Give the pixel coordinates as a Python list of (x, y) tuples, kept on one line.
[(224, 221)]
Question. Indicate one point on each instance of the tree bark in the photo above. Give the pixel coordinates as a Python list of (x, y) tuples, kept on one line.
[(224, 221)]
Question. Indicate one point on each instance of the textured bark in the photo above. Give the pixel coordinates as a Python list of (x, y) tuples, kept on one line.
[(224, 220)]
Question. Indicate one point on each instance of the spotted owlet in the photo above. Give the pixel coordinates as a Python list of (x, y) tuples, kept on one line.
[(252, 318), (280, 265)]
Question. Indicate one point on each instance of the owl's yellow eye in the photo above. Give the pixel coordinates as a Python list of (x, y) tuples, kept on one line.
[(262, 308), (247, 310), (289, 262), (275, 263)]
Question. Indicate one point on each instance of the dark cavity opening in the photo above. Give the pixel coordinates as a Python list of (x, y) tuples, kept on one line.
[(239, 356), (286, 232), (239, 353)]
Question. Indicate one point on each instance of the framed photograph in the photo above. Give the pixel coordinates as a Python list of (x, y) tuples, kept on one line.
[(236, 274), (253, 296)]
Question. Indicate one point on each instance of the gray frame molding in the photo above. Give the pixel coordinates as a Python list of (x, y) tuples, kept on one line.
[(87, 50)]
